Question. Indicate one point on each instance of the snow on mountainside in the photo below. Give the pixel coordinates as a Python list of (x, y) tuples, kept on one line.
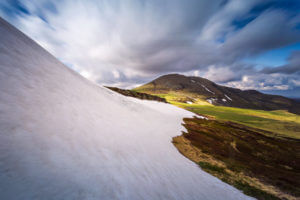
[(62, 137)]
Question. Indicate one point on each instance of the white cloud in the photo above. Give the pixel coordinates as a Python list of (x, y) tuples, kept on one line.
[(266, 82), (219, 74), (296, 82), (220, 24), (116, 74), (131, 42), (98, 37)]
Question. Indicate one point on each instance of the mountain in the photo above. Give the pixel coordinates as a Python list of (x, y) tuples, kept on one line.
[(194, 89), (297, 99), (63, 137)]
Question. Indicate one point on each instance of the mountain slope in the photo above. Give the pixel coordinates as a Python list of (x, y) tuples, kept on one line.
[(192, 89), (63, 137), (138, 95)]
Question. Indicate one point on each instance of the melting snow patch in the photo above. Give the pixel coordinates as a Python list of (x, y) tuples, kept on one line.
[(202, 117), (211, 100), (228, 97), (207, 89)]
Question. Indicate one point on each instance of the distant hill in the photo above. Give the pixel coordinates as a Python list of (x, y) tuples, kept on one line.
[(297, 99), (138, 95), (189, 89)]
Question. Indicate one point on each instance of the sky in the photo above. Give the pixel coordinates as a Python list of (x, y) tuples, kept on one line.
[(251, 44)]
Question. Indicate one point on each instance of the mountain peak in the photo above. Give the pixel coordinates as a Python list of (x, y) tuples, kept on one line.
[(192, 88)]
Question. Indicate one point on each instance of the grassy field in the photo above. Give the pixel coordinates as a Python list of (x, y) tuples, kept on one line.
[(279, 122)]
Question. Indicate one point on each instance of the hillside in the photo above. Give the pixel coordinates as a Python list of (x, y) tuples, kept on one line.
[(139, 95), (63, 137), (237, 145), (197, 90), (250, 159)]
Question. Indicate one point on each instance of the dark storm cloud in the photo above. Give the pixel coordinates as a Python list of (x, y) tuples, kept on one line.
[(132, 41)]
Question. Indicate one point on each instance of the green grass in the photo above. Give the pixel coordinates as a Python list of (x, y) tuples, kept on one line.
[(279, 122), (208, 166), (243, 186), (178, 96), (253, 191)]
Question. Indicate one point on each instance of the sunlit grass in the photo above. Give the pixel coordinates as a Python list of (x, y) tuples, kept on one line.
[(280, 122)]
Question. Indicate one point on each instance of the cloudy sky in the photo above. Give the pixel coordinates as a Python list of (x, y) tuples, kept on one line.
[(253, 44)]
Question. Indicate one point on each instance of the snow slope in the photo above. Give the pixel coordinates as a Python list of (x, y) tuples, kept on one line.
[(62, 137)]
